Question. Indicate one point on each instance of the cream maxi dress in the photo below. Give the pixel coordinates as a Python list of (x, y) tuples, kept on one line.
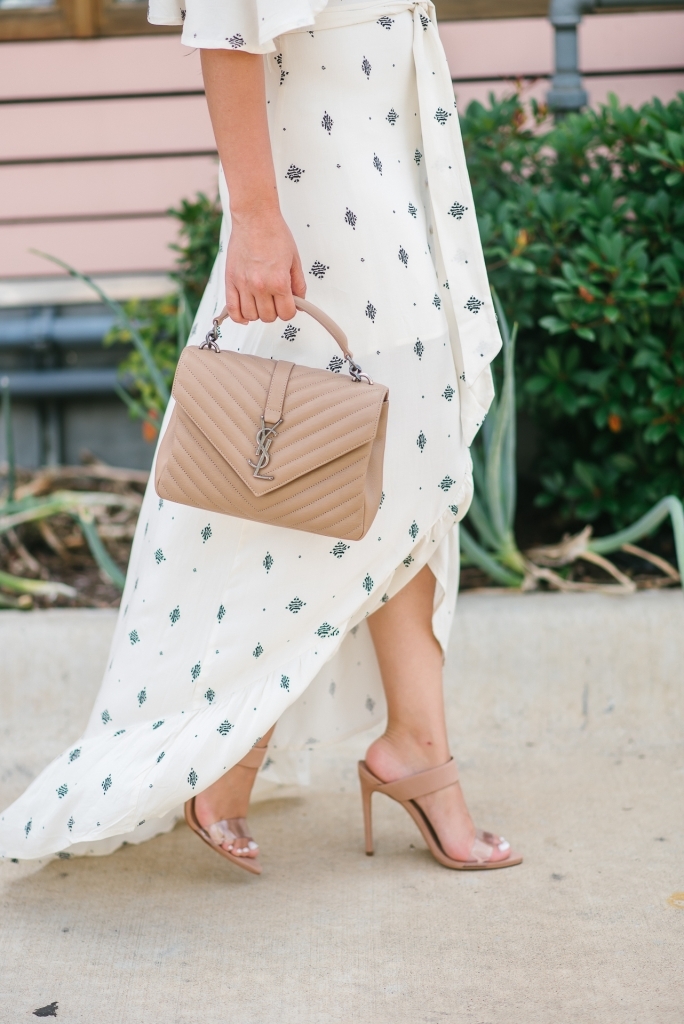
[(228, 626)]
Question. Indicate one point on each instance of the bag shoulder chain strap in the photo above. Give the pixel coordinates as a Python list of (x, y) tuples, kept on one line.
[(355, 371)]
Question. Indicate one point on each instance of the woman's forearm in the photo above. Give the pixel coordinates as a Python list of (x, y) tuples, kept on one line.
[(236, 96), (263, 269)]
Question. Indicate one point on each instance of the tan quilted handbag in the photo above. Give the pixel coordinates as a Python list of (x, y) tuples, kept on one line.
[(275, 442)]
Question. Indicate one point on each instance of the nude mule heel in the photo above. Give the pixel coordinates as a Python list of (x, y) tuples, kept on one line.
[(409, 789), (235, 828)]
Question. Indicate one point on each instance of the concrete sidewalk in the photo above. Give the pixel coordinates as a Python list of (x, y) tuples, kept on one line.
[(566, 714)]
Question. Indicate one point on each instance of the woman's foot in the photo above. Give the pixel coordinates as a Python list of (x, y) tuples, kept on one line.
[(221, 809), (393, 757)]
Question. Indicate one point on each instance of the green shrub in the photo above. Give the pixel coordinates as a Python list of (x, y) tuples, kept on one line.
[(164, 324), (583, 230), (582, 225), (200, 226)]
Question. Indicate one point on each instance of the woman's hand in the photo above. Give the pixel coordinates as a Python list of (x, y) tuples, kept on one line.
[(263, 269)]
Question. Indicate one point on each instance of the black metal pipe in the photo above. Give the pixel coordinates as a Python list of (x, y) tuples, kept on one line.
[(62, 383), (45, 327)]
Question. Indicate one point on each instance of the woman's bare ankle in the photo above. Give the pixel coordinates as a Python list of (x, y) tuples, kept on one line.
[(400, 752)]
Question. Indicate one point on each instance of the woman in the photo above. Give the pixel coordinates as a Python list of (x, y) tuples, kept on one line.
[(343, 177)]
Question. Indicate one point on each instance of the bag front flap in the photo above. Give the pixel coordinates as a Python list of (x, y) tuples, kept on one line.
[(324, 415)]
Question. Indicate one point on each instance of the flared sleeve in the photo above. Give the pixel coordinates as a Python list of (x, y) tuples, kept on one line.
[(249, 25)]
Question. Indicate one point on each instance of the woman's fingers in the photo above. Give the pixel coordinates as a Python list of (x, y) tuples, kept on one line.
[(233, 304), (284, 302), (263, 270), (297, 279), (248, 306), (266, 307)]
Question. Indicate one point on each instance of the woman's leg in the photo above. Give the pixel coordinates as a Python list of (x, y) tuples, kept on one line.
[(416, 738), (229, 798)]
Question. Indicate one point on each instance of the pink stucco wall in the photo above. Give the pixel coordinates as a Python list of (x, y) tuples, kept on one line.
[(106, 215)]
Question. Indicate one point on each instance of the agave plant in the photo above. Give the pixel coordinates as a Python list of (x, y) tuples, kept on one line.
[(492, 512)]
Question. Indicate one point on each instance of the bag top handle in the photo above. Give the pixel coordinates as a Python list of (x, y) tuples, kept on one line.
[(211, 340), (325, 321)]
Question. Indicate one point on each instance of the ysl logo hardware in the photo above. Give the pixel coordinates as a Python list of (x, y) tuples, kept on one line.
[(264, 440)]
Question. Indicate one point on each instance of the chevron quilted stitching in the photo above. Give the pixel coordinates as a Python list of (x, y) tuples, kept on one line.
[(331, 439), (302, 445)]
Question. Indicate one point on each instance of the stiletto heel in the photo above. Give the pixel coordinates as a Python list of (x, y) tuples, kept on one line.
[(366, 794), (406, 792), (228, 828)]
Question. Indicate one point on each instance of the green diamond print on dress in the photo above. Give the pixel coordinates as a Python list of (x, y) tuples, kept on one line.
[(413, 530), (195, 670), (295, 605), (385, 598), (159, 556), (134, 637), (161, 504), (106, 784), (370, 704), (225, 727), (192, 777), (160, 756), (158, 724), (209, 695), (419, 348), (70, 824), (339, 549), (142, 697), (326, 630), (119, 732), (220, 613), (174, 616), (446, 483), (421, 441), (284, 682), (408, 560), (205, 533), (367, 584), (106, 717), (448, 392), (76, 752), (473, 304), (62, 790), (268, 562), (382, 498), (27, 827), (454, 509), (258, 651)]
